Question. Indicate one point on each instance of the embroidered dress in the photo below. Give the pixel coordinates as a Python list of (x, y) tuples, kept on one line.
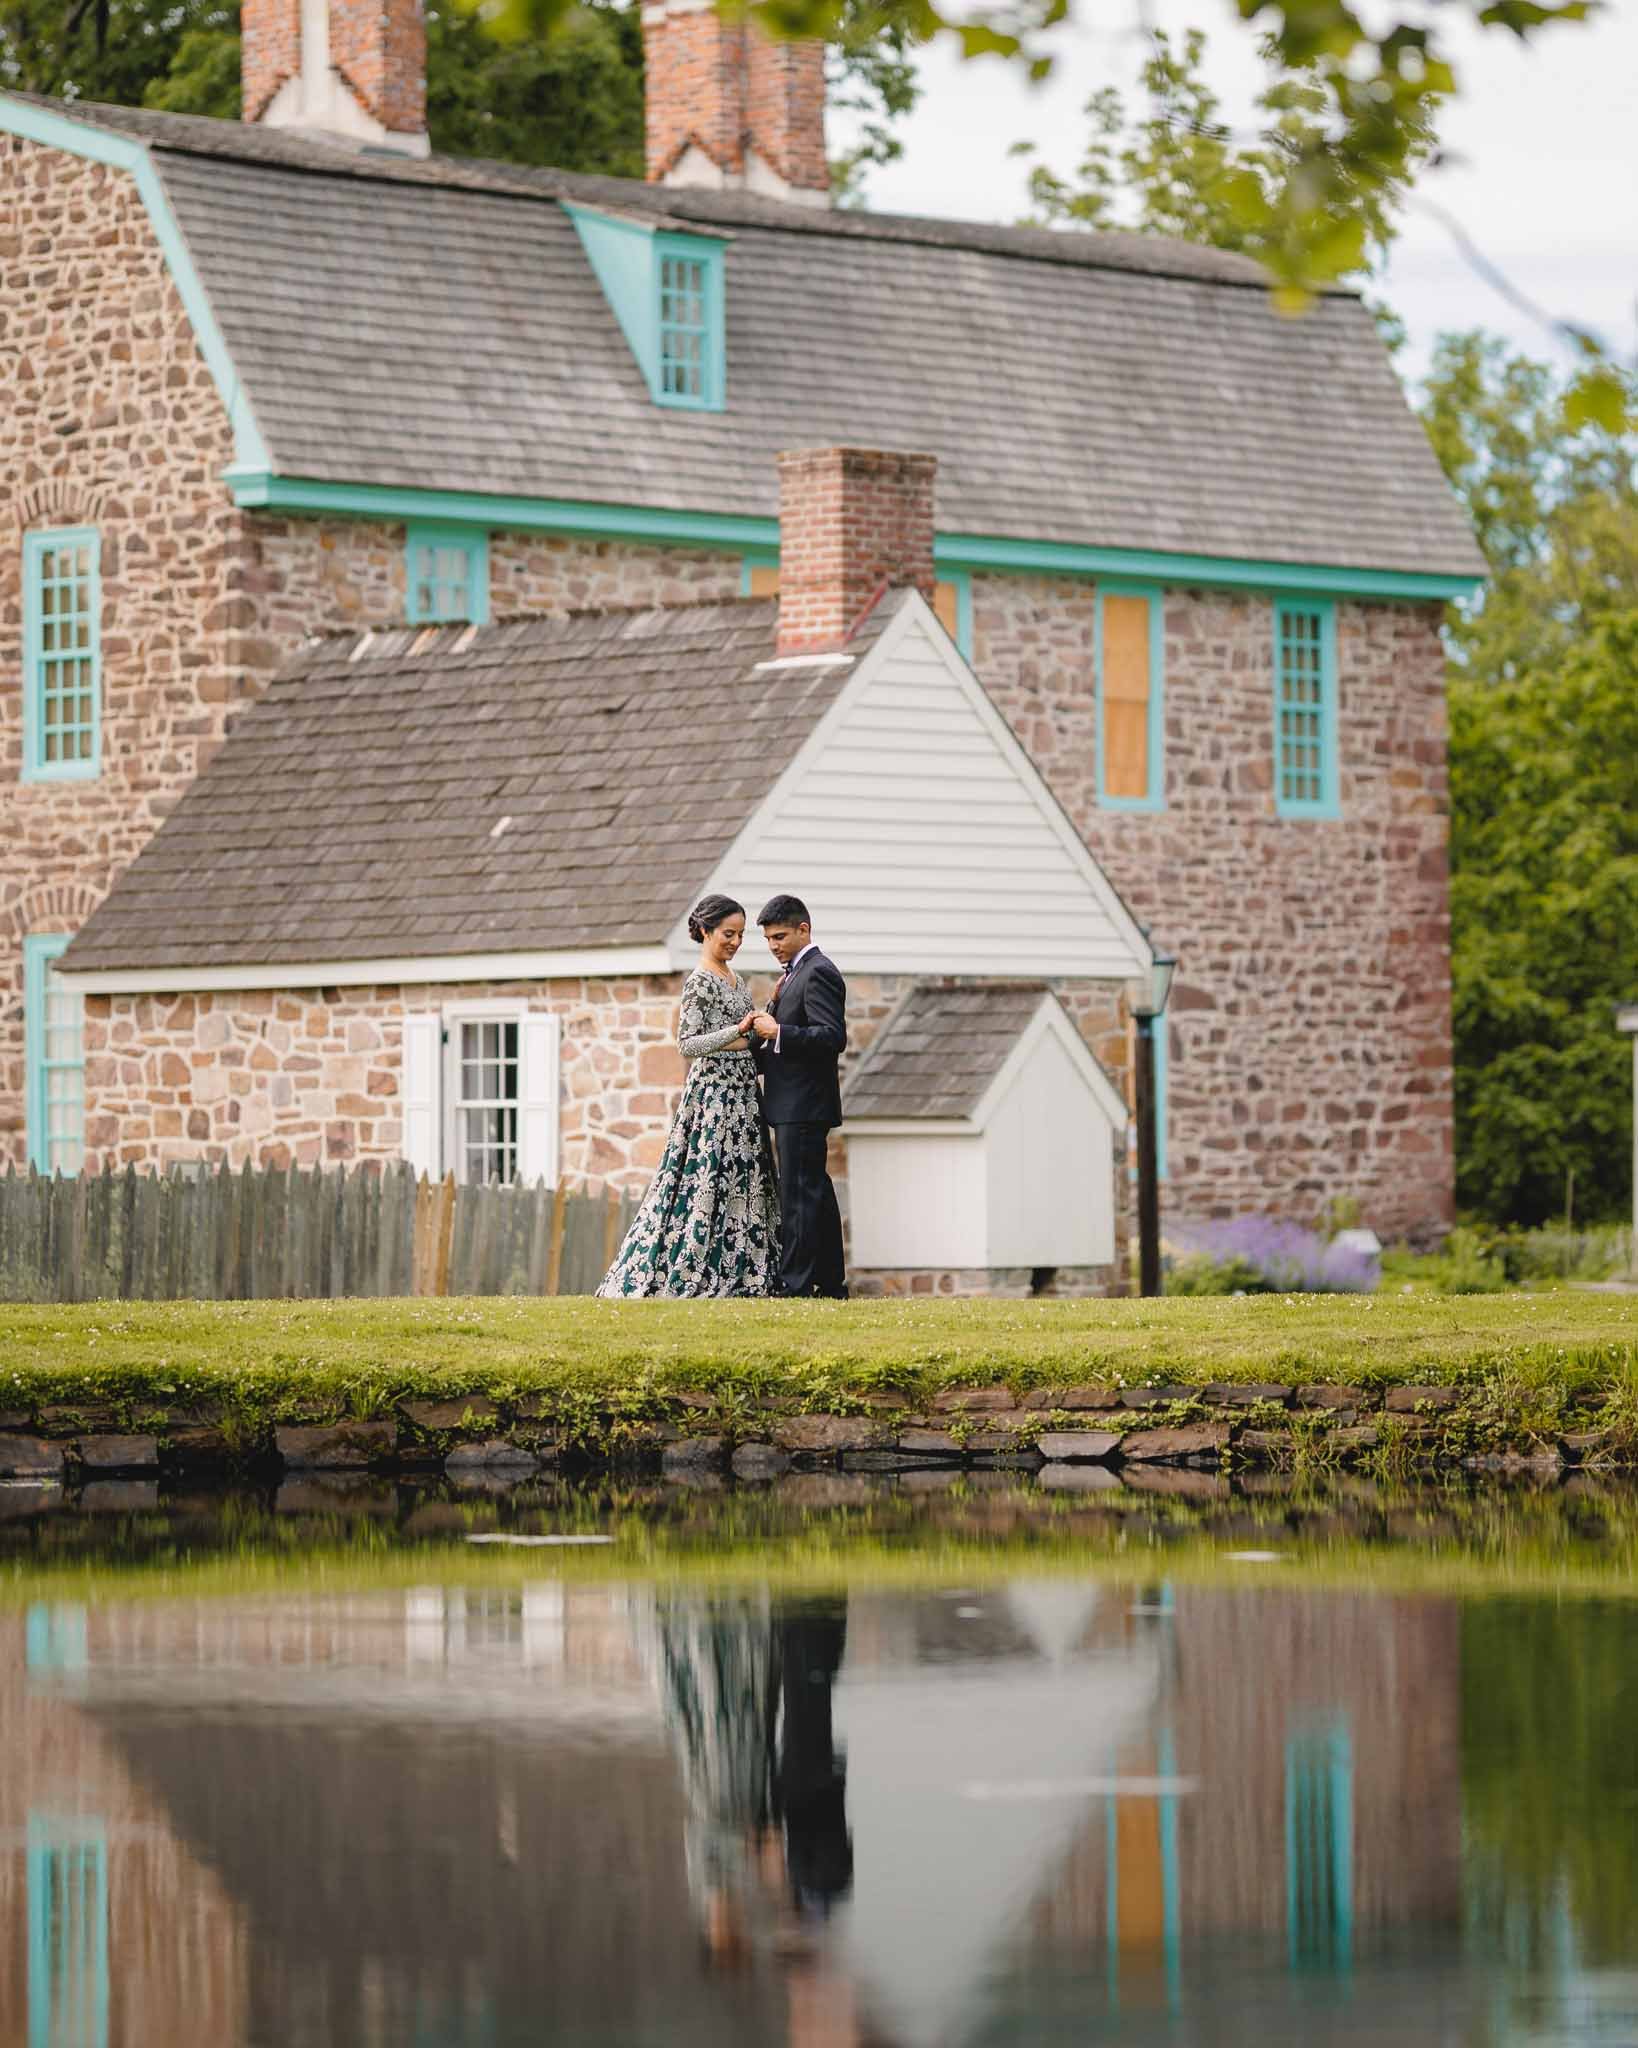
[(709, 1223)]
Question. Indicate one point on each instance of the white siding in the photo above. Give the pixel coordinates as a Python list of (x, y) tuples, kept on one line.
[(922, 840), (916, 1201), (1049, 1160)]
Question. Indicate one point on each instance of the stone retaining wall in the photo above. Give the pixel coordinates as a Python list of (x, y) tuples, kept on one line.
[(1074, 1437)]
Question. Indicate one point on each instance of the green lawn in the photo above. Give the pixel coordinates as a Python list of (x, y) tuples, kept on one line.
[(357, 1356)]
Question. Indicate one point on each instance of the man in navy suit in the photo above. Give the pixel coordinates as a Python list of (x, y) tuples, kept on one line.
[(800, 1038)]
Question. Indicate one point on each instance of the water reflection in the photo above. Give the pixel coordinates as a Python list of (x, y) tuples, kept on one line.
[(1044, 1812)]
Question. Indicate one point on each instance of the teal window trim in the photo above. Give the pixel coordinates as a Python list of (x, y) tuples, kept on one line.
[(1294, 680), (67, 1932), (673, 326), (40, 950), (432, 595), (44, 660), (1319, 1846), (1155, 798), (630, 260)]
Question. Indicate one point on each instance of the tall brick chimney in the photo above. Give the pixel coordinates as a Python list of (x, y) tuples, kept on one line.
[(853, 524), (729, 108), (353, 68)]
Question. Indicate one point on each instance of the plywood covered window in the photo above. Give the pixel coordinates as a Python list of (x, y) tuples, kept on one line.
[(1130, 660), (952, 601), (1305, 709)]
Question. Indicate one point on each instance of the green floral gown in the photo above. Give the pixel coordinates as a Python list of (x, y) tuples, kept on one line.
[(709, 1223)]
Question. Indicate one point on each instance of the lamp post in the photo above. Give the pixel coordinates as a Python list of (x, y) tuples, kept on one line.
[(1146, 999)]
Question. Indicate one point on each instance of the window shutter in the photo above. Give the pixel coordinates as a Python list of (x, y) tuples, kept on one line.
[(537, 1098), (423, 1043)]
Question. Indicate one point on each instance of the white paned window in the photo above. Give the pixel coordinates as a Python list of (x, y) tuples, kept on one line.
[(62, 687), (480, 1092), (53, 1030)]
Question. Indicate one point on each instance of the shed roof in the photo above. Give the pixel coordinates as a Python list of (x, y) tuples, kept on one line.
[(436, 323), (538, 784), (940, 1050)]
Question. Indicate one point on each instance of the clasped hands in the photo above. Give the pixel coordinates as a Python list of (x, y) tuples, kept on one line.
[(762, 1023)]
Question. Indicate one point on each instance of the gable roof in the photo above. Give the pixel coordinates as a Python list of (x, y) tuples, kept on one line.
[(940, 1050), (544, 783), (435, 323)]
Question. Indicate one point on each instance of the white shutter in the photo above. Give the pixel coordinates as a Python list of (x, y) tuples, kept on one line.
[(423, 1044), (537, 1097)]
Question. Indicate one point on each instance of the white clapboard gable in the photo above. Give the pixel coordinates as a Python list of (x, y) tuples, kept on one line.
[(922, 838)]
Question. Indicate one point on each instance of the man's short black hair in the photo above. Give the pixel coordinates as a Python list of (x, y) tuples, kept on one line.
[(783, 910)]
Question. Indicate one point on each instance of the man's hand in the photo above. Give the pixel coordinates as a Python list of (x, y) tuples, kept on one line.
[(762, 1024)]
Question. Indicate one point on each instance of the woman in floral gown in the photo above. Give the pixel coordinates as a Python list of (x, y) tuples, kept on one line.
[(709, 1224)]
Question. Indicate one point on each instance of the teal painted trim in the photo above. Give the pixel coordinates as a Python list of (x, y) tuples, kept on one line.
[(1066, 558), (67, 1881), (1163, 1061), (120, 152), (1171, 1877), (55, 1637), (37, 657), (1319, 1847), (40, 950), (473, 544), (1328, 804), (264, 492), (627, 257), (621, 253), (710, 255), (1155, 799)]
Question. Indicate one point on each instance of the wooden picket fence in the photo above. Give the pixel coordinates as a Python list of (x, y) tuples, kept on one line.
[(276, 1232)]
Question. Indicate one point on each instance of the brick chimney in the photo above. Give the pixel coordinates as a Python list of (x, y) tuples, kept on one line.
[(350, 68), (854, 523), (728, 107)]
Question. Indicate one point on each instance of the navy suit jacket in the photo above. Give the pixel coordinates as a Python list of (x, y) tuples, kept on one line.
[(799, 1082)]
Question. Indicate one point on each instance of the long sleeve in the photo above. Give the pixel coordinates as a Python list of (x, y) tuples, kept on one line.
[(694, 1037), (824, 996)]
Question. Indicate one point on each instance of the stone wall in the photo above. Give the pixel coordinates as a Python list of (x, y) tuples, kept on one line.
[(110, 418), (1309, 1032), (311, 1078)]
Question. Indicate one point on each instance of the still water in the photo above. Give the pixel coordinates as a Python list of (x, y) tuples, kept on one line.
[(601, 1809)]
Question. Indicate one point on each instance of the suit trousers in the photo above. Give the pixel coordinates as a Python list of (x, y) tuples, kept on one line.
[(810, 1223)]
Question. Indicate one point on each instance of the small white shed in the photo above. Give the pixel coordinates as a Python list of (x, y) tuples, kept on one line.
[(982, 1133)]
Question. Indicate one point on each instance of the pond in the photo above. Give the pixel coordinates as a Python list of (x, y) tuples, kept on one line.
[(321, 1771)]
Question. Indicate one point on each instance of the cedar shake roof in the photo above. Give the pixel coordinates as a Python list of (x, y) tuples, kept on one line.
[(940, 1050), (436, 323), (355, 811)]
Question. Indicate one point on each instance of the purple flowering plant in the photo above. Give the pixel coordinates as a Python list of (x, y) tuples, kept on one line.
[(1264, 1254)]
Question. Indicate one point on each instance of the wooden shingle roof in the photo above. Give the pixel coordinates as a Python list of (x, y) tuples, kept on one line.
[(533, 785), (436, 323), (940, 1050)]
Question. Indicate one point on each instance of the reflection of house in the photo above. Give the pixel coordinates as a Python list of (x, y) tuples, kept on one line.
[(114, 1933), (464, 1818)]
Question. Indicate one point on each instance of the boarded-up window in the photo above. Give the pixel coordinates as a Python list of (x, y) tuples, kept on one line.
[(1129, 768), (762, 580)]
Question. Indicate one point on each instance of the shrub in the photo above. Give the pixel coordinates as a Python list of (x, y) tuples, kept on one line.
[(1262, 1255)]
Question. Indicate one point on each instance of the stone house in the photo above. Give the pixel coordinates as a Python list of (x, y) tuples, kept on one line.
[(295, 377)]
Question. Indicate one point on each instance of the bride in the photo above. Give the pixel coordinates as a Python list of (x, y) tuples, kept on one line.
[(709, 1223)]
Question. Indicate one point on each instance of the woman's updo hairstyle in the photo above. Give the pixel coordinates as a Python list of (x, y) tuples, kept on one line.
[(708, 913)]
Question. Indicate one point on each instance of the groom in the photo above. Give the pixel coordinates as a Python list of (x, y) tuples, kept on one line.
[(800, 1037)]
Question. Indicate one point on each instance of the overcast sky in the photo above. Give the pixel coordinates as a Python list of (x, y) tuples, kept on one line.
[(1544, 140)]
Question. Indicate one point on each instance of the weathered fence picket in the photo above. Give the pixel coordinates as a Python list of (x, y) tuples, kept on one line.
[(261, 1232)]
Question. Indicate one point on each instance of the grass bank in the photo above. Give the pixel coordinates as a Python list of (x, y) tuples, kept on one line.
[(351, 1357)]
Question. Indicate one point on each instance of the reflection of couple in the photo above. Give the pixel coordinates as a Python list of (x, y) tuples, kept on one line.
[(716, 1219)]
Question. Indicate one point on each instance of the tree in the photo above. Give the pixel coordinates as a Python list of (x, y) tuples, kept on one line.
[(1178, 170), (1544, 917), (73, 52)]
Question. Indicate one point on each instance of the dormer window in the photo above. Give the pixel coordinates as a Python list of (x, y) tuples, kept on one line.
[(666, 289)]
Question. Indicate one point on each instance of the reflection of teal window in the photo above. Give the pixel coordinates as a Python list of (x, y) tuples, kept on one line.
[(1319, 1846), (55, 1638), (67, 1933), (439, 2025)]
